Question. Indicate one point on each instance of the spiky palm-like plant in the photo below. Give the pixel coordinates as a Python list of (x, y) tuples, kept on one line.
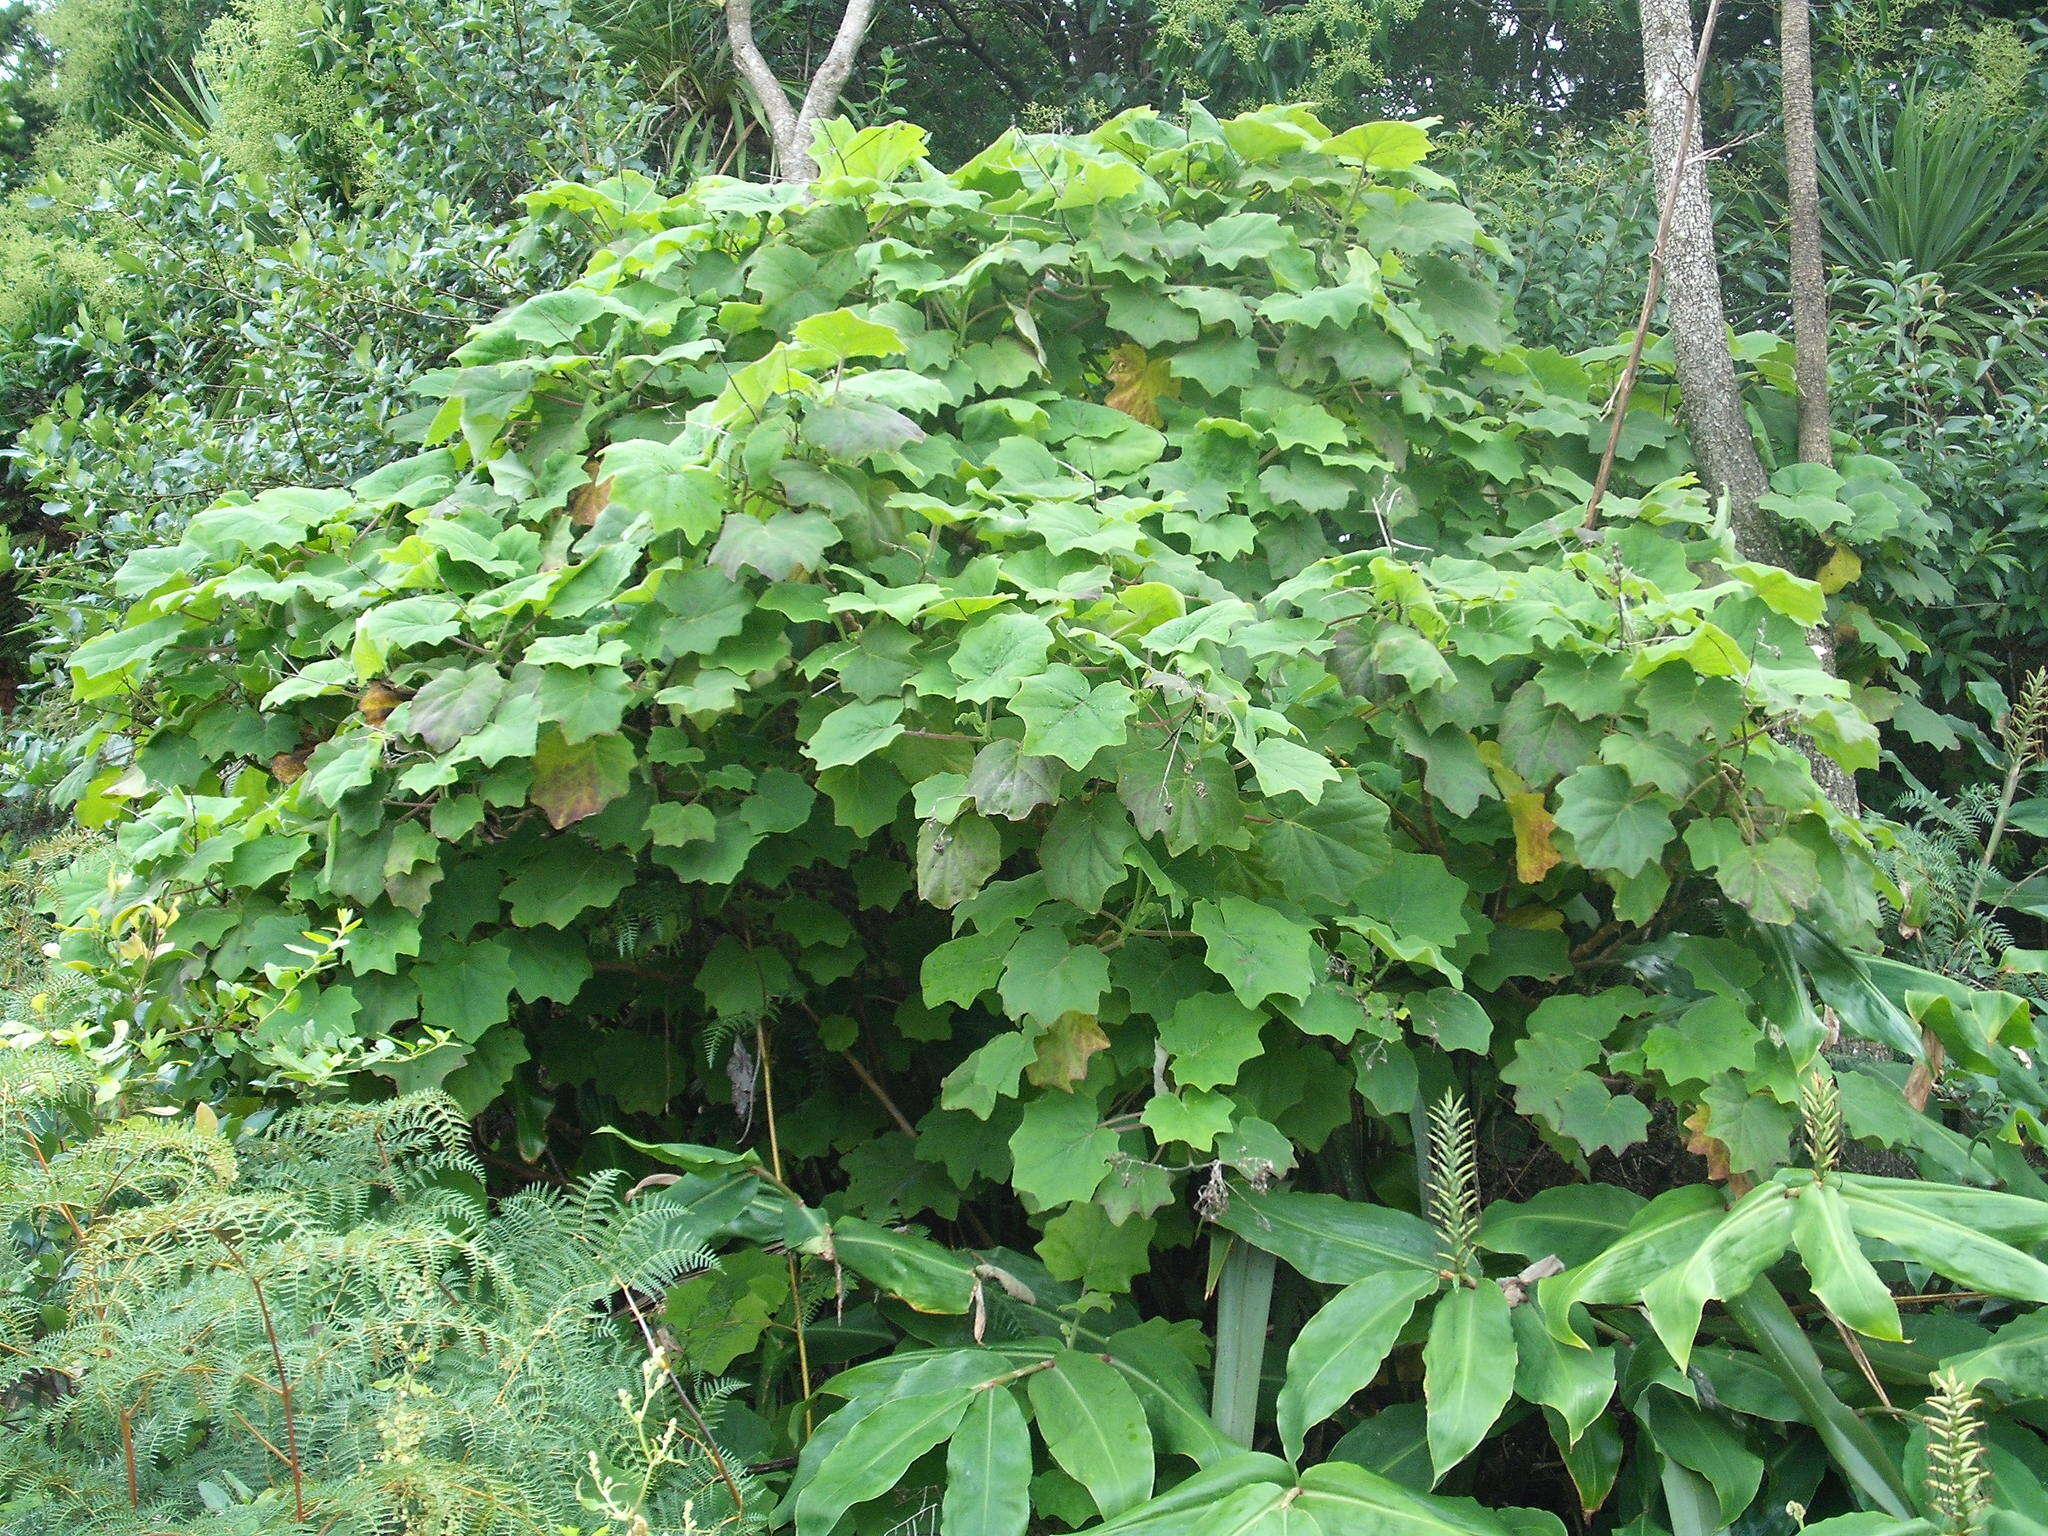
[(1945, 189)]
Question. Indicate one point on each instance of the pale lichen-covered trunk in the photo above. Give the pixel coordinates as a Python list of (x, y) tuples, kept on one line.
[(790, 126), (1710, 400), (1809, 282)]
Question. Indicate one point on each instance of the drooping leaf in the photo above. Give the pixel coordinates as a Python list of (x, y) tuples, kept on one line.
[(1085, 850), (1573, 1222), (905, 1265), (1005, 782), (1664, 1233), (1842, 1277), (1576, 1384), (1347, 1498), (1734, 1251), (1327, 849)]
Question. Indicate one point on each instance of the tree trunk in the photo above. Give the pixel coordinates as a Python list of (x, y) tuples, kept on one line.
[(790, 126), (1809, 283), (1710, 400)]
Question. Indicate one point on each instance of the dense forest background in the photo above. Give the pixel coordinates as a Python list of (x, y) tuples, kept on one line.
[(1021, 837)]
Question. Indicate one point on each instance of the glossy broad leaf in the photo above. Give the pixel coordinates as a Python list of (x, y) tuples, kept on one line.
[(1094, 1429), (1468, 1370), (1328, 1239), (1340, 1349), (988, 1469)]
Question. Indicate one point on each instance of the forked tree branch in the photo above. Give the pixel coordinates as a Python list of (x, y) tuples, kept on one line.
[(790, 126), (833, 74), (754, 70)]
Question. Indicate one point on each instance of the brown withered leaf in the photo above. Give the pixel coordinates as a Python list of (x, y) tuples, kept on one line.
[(1926, 1071), (379, 699), (1702, 1143), (592, 497), (288, 767)]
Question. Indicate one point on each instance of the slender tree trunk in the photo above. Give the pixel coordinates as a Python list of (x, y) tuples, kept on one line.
[(1809, 306), (1809, 283), (790, 125), (1710, 400)]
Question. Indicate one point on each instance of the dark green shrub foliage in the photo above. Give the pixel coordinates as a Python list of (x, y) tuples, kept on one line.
[(919, 581), (1079, 690)]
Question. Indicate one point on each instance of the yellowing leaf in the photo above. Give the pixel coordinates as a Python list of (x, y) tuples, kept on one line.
[(572, 780), (378, 700), (1842, 566), (1064, 1051), (1137, 382), (1535, 855)]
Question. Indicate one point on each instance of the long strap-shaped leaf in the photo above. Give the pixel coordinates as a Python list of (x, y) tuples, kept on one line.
[(1329, 1239), (1176, 1511), (1244, 1298), (1350, 1501), (1158, 1372), (1945, 1228), (1843, 1278), (1683, 1432), (1257, 1512), (1761, 1313), (1245, 1495), (1993, 1213), (1688, 1500), (1468, 1371), (875, 1454)]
